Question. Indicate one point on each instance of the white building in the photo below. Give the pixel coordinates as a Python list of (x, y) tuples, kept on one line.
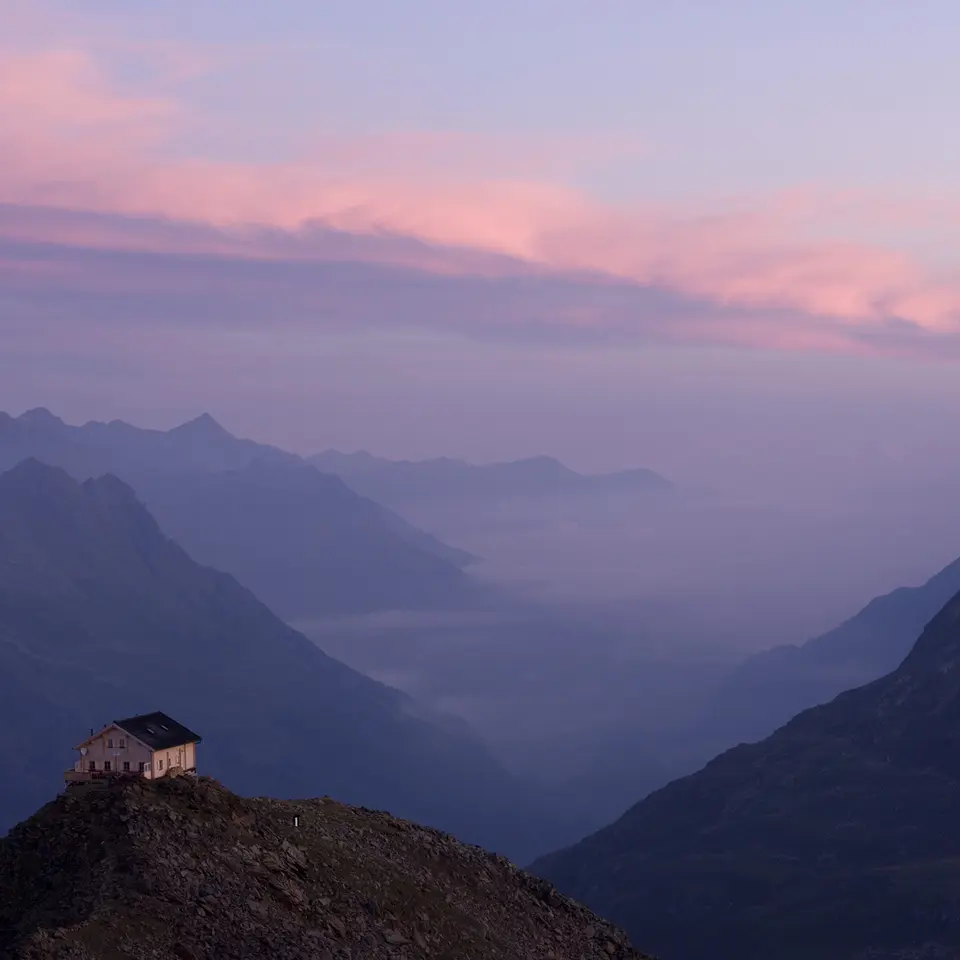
[(151, 745)]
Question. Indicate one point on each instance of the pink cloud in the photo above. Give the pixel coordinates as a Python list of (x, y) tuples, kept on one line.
[(71, 140), (62, 91)]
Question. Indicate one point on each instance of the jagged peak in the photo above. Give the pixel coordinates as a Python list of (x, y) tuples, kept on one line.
[(32, 476), (111, 485), (205, 426), (114, 424), (32, 470), (539, 465), (39, 417)]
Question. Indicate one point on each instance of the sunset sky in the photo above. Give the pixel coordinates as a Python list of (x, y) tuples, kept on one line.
[(600, 230)]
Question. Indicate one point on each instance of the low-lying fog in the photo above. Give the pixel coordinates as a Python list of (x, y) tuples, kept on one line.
[(740, 572), (614, 623)]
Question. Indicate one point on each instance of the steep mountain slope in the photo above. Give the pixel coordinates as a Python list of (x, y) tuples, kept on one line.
[(102, 616), (361, 556), (771, 687), (834, 838), (194, 872), (302, 541), (396, 482)]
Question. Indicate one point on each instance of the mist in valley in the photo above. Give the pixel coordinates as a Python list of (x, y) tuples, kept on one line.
[(600, 631), (597, 662), (537, 422)]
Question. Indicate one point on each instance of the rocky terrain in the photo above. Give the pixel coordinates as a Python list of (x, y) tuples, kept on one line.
[(185, 869)]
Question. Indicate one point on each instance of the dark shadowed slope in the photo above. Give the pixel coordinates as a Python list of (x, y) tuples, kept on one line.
[(102, 616), (190, 870), (771, 687), (396, 482), (181, 471), (835, 838)]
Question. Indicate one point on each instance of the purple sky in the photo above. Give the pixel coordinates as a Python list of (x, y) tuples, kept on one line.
[(713, 239)]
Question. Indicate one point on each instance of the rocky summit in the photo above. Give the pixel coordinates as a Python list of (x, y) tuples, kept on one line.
[(183, 868)]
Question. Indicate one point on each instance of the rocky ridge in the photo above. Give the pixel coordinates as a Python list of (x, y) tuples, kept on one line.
[(184, 868)]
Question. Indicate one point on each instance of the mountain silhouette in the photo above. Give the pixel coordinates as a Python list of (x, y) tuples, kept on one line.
[(771, 687), (396, 482), (303, 541), (102, 616), (833, 838), (250, 509), (128, 451)]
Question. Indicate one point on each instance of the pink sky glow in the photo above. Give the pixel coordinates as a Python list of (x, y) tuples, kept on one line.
[(73, 140)]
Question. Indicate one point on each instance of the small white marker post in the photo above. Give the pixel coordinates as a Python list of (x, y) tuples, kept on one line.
[(296, 821)]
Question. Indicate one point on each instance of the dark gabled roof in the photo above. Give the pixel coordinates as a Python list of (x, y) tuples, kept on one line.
[(157, 731)]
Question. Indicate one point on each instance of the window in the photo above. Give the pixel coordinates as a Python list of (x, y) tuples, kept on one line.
[(142, 766), (91, 765), (110, 743), (123, 744), (126, 766), (159, 764), (106, 765)]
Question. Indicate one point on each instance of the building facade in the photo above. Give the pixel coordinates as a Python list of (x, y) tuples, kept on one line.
[(150, 745)]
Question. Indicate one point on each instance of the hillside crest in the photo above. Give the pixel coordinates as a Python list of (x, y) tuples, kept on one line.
[(183, 868)]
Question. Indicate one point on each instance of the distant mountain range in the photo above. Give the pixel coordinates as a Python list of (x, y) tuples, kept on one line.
[(302, 541), (834, 838), (747, 702), (773, 686), (199, 445), (101, 615), (396, 482)]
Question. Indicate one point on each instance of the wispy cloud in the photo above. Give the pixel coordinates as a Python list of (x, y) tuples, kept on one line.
[(88, 164)]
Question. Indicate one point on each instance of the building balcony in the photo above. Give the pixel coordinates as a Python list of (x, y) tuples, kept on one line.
[(80, 773)]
